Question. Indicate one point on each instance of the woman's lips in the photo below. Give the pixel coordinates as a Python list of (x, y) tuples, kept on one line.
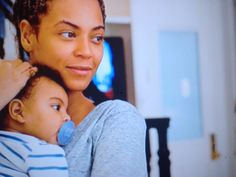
[(80, 70)]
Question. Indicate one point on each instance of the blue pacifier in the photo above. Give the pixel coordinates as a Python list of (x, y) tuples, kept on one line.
[(66, 133)]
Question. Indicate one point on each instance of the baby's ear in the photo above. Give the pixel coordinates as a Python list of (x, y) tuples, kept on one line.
[(15, 110)]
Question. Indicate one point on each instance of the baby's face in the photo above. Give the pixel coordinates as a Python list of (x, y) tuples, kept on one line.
[(45, 110)]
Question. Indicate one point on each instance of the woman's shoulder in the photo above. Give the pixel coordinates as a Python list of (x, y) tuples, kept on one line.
[(118, 113), (109, 116), (116, 106)]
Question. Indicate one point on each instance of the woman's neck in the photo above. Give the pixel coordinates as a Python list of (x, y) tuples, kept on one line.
[(79, 106)]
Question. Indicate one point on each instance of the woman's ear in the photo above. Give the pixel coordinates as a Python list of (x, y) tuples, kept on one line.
[(15, 110), (28, 35)]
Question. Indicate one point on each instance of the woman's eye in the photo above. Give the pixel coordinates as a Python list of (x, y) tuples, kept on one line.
[(56, 107), (98, 39), (68, 34)]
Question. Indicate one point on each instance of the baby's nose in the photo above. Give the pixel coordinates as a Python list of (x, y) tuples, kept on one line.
[(67, 117)]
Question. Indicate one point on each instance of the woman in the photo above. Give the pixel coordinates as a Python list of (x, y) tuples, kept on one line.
[(67, 36)]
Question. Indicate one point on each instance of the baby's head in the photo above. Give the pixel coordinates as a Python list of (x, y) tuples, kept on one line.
[(40, 107)]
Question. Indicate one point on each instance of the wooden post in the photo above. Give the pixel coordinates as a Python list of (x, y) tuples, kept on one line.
[(161, 124)]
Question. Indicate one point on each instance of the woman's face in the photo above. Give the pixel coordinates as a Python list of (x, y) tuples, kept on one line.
[(70, 40)]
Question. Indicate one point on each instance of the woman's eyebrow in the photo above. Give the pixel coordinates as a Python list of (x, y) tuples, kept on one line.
[(98, 28), (67, 23), (77, 27)]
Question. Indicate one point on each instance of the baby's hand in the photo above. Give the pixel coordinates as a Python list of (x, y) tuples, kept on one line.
[(13, 76)]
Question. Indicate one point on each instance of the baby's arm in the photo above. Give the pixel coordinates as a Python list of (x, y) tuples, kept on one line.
[(47, 161)]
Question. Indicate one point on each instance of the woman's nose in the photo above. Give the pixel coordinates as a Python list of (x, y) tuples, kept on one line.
[(83, 48), (66, 118)]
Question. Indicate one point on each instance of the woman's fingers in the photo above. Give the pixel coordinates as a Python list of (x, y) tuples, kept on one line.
[(24, 71), (22, 67), (30, 71), (11, 79), (13, 76), (18, 65), (16, 62)]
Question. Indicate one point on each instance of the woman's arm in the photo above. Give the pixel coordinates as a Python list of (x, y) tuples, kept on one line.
[(13, 76)]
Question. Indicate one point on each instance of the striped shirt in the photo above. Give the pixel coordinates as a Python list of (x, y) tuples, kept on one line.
[(23, 155)]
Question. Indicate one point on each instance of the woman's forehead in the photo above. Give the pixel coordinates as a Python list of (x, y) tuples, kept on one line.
[(75, 11), (75, 7)]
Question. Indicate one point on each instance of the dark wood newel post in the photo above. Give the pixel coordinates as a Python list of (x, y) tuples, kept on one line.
[(161, 124)]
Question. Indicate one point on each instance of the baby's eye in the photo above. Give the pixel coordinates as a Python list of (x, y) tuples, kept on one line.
[(68, 34), (98, 39), (56, 107)]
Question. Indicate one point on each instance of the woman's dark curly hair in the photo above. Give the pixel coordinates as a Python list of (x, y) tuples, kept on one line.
[(32, 11)]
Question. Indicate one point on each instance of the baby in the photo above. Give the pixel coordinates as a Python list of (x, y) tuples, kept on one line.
[(32, 126)]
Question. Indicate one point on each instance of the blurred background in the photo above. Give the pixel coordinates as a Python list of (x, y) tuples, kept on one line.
[(170, 58)]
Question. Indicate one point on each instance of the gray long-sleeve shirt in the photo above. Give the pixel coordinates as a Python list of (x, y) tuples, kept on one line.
[(109, 142)]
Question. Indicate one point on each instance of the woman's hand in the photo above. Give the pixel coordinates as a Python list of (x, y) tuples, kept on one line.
[(13, 76)]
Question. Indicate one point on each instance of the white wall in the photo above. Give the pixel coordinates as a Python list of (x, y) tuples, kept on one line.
[(117, 8), (10, 44), (213, 21)]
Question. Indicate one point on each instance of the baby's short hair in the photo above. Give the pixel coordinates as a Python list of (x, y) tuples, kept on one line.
[(43, 71), (25, 92)]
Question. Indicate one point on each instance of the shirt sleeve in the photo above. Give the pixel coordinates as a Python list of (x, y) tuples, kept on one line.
[(120, 149), (48, 161)]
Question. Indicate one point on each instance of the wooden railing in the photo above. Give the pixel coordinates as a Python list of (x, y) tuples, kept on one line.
[(161, 124)]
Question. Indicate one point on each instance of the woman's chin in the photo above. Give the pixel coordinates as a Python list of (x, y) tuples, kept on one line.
[(76, 86)]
